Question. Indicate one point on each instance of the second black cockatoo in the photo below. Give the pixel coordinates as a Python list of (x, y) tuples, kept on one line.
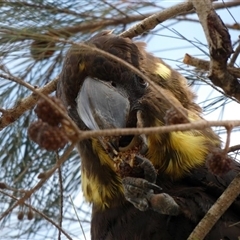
[(124, 177)]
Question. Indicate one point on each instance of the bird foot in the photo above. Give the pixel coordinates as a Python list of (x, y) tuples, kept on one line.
[(144, 194), (141, 194), (137, 190)]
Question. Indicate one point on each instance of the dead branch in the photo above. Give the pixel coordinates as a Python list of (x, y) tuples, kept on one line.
[(217, 210), (235, 55), (205, 65), (220, 48), (234, 26), (153, 20), (220, 5), (11, 115), (234, 148)]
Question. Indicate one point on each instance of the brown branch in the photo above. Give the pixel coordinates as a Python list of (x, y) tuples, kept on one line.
[(69, 121), (234, 26), (217, 210), (221, 5), (228, 139), (235, 55), (234, 148), (220, 48), (180, 9), (201, 124), (96, 25), (67, 32), (204, 65), (153, 20), (11, 115)]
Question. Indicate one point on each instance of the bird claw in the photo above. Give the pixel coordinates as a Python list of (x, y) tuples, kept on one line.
[(136, 191), (139, 185), (150, 173), (140, 193)]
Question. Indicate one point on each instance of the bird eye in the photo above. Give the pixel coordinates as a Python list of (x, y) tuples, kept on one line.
[(142, 83)]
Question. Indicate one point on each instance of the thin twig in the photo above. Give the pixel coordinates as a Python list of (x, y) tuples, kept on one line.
[(187, 19), (60, 197), (201, 124), (48, 174), (228, 139), (78, 218), (234, 56), (38, 212)]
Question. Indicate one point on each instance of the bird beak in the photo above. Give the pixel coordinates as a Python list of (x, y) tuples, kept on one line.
[(101, 105)]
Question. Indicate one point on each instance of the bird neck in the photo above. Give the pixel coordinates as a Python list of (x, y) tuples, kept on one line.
[(101, 184)]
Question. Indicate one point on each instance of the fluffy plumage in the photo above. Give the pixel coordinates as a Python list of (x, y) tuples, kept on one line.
[(179, 157)]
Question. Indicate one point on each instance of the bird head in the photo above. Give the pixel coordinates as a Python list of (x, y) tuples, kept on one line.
[(101, 93)]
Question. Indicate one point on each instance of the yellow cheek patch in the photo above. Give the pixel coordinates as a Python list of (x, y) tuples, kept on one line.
[(163, 71), (190, 152), (182, 152), (176, 153)]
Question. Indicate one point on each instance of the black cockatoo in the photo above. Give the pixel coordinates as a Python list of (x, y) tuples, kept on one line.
[(99, 93)]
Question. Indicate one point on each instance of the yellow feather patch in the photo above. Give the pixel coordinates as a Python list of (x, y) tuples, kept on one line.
[(103, 156), (163, 71), (191, 151), (176, 153), (81, 66), (102, 195), (97, 193)]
